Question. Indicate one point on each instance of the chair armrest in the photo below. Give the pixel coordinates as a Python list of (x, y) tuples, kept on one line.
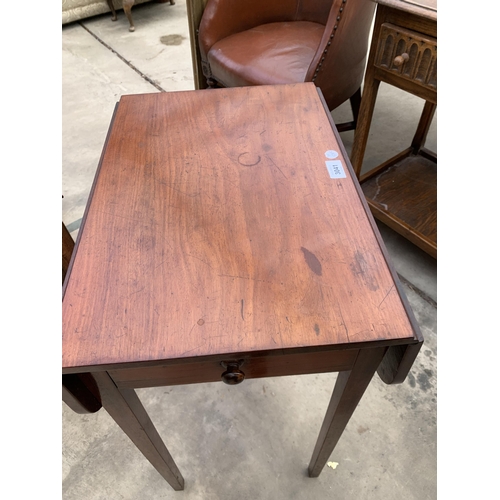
[(222, 18)]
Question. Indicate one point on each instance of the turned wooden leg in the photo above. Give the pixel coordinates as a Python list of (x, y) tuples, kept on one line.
[(127, 8), (349, 389), (127, 411), (112, 9)]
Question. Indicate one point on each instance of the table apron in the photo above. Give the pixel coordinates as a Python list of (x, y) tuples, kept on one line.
[(255, 367), (407, 85)]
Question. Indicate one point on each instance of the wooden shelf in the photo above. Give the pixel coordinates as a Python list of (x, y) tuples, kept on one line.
[(402, 191), (403, 195)]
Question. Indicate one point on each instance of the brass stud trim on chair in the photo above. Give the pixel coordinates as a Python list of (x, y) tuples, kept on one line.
[(329, 43)]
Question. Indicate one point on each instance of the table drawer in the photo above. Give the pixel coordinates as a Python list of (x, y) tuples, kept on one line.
[(408, 54), (252, 367)]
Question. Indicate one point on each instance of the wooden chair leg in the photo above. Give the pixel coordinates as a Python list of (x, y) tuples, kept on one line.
[(127, 8), (112, 9), (349, 389), (355, 101), (127, 411)]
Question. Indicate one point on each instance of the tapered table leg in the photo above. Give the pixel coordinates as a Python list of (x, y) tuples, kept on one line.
[(349, 389), (127, 411)]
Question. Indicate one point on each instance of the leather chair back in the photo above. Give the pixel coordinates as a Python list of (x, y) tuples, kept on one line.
[(339, 64)]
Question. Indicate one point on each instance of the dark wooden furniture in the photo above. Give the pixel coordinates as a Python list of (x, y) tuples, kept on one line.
[(225, 238), (402, 192), (127, 8), (67, 250), (195, 9), (288, 41)]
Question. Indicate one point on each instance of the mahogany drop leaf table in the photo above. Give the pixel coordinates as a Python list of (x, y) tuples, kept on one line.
[(227, 238)]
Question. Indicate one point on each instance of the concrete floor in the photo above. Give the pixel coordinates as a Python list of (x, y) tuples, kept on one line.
[(253, 441)]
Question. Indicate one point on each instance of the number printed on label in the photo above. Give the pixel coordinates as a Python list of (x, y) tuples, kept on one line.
[(335, 169)]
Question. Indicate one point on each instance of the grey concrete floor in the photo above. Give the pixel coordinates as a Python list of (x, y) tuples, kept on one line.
[(253, 441)]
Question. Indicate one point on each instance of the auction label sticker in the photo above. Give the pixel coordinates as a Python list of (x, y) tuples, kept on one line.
[(334, 167)]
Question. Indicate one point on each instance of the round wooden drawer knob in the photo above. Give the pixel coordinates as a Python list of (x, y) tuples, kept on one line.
[(399, 60), (233, 375)]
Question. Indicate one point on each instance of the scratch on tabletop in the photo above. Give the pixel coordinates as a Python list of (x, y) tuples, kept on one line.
[(390, 290), (124, 217), (193, 349), (242, 277), (160, 264), (343, 322), (281, 171), (137, 291), (182, 192), (201, 260)]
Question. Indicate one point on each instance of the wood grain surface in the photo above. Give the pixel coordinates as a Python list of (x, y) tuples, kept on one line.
[(408, 190), (215, 228), (423, 8)]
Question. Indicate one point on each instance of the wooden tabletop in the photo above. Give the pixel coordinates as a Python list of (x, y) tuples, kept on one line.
[(423, 8), (215, 227)]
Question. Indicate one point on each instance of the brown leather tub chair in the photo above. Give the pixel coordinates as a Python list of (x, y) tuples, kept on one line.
[(267, 42)]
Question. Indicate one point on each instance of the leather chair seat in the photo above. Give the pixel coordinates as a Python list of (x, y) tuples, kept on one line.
[(269, 54), (275, 42)]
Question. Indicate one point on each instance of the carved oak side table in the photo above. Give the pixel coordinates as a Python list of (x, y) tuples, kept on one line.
[(402, 192)]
